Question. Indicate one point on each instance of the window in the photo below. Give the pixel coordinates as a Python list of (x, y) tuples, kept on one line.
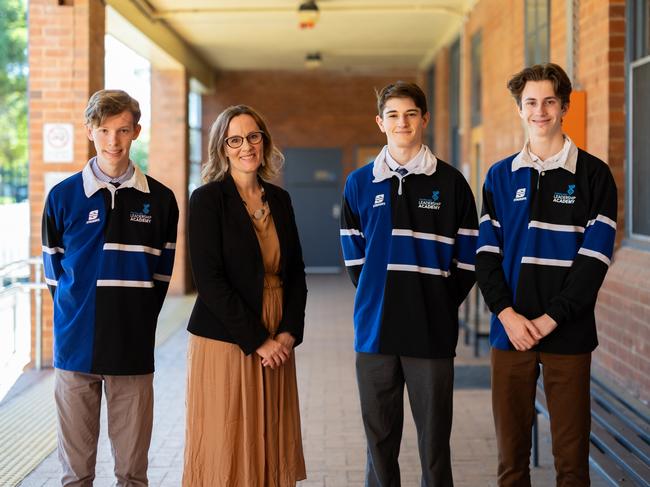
[(536, 25), (476, 79), (638, 99), (195, 140)]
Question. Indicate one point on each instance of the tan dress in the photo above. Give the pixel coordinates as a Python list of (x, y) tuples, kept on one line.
[(243, 421)]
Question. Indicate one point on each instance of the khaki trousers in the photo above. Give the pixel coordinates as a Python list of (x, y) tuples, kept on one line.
[(566, 385), (129, 401)]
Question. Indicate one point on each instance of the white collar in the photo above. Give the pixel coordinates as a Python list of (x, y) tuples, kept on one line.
[(384, 166), (567, 158), (91, 184)]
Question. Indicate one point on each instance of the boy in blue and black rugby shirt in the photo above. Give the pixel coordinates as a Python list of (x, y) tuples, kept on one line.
[(408, 232), (109, 237), (546, 238)]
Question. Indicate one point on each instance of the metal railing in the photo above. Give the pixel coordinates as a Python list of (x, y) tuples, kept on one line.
[(16, 278)]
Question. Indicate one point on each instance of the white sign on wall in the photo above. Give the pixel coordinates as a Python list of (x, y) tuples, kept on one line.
[(58, 143)]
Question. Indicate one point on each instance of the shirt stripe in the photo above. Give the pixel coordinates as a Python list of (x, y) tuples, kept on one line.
[(51, 282), (550, 262), (399, 232), (53, 250), (596, 255), (132, 248), (489, 248), (467, 267), (486, 218), (555, 227), (603, 219), (162, 277), (349, 232), (170, 245), (417, 268), (121, 283), (468, 231), (352, 262)]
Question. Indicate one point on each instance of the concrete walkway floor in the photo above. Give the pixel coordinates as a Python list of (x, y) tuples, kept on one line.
[(331, 421)]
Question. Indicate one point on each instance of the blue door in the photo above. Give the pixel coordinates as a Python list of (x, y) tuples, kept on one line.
[(313, 178)]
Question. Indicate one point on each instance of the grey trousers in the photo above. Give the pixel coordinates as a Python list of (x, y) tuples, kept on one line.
[(430, 384), (129, 401)]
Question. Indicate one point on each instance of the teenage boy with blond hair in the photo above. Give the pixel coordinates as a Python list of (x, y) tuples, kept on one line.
[(408, 232), (546, 238), (109, 237)]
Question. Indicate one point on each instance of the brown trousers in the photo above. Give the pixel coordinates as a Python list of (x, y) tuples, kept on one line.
[(566, 384), (129, 401)]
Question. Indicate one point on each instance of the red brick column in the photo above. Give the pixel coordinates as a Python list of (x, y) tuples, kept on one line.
[(66, 65), (169, 156), (622, 312)]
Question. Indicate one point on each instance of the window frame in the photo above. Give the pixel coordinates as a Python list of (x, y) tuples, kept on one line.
[(532, 7)]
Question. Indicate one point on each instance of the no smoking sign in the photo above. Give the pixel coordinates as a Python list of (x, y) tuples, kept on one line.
[(58, 142)]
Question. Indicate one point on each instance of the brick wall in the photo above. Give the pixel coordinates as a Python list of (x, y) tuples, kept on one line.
[(66, 52), (623, 310), (502, 56), (623, 317), (307, 109), (168, 156)]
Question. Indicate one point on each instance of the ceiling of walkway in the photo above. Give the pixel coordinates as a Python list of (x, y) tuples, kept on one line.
[(350, 35)]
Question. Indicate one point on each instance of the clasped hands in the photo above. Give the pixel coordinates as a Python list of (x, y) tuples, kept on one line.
[(275, 351), (523, 333)]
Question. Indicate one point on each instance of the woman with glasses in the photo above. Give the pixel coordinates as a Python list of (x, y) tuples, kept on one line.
[(243, 422)]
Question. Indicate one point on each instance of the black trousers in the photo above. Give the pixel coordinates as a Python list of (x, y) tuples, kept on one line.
[(430, 384)]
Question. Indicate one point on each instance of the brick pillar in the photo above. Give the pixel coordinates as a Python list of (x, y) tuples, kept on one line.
[(169, 156), (66, 65)]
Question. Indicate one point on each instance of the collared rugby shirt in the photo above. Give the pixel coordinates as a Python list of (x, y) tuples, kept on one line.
[(411, 256), (108, 255), (545, 244)]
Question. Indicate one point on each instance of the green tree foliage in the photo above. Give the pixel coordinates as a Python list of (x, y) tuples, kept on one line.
[(13, 99)]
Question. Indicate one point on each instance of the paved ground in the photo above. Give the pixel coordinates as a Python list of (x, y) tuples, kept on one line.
[(332, 430)]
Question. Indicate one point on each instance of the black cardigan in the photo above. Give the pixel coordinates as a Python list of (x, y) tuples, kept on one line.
[(228, 269)]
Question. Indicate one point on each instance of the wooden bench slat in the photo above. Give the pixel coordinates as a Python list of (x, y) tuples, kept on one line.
[(620, 431), (606, 467), (620, 436), (635, 468)]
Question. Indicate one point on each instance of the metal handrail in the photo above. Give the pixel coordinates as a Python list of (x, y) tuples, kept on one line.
[(37, 286)]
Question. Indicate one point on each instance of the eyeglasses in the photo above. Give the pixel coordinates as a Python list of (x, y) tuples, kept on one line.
[(236, 141)]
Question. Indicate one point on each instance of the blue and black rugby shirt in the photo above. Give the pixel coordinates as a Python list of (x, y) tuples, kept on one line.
[(108, 255), (411, 256), (545, 244)]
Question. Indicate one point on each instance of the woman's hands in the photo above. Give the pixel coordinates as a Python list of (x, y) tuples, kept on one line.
[(286, 339), (273, 353), (276, 351)]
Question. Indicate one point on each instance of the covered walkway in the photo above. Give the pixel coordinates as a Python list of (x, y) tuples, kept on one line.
[(331, 421)]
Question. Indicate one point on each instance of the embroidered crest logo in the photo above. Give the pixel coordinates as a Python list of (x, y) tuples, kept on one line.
[(566, 198), (141, 216), (520, 195), (432, 203), (93, 216), (379, 200)]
